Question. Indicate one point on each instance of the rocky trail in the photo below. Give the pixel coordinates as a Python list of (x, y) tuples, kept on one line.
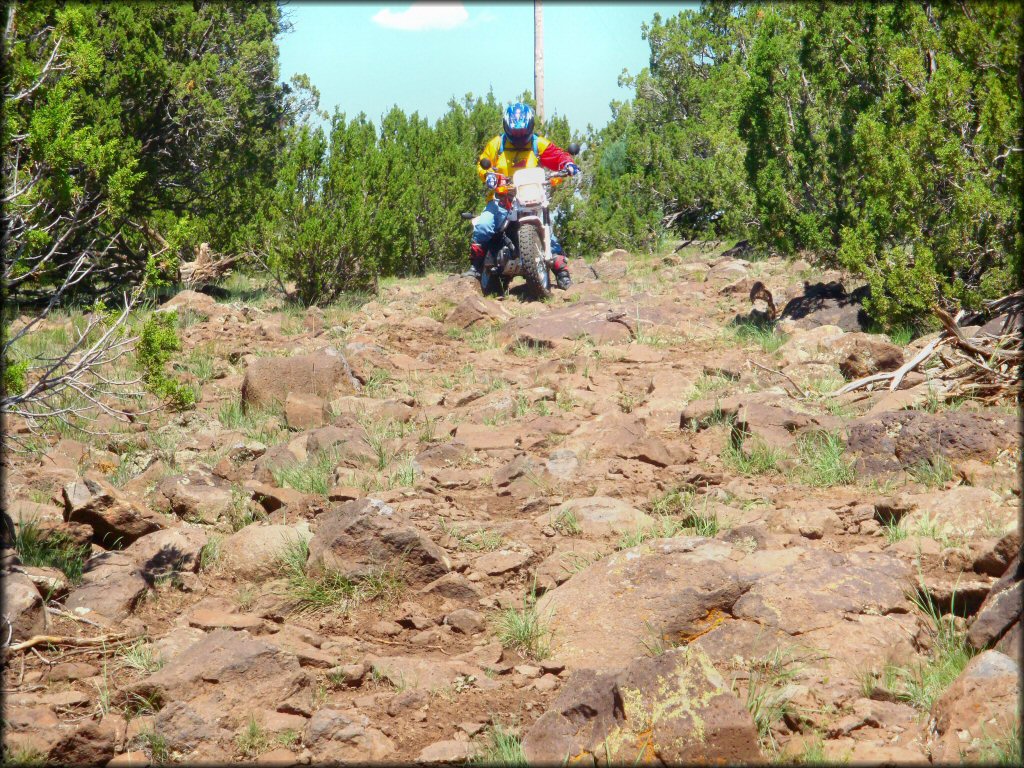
[(616, 526)]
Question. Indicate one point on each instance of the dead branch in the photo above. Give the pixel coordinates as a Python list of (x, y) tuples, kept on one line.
[(986, 367), (61, 640)]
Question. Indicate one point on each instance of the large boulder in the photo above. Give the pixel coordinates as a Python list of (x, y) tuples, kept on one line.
[(673, 709), (813, 344), (981, 704), (828, 304), (115, 519), (270, 379), (256, 550), (228, 674), (197, 496), (997, 622), (602, 616), (333, 735), (112, 585), (362, 536), (164, 552), (888, 442), (23, 606)]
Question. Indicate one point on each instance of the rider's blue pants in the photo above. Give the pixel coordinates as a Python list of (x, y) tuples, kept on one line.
[(490, 221)]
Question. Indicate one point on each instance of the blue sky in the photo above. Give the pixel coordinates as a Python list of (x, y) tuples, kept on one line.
[(370, 56)]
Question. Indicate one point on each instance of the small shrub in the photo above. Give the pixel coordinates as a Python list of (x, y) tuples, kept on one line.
[(157, 342)]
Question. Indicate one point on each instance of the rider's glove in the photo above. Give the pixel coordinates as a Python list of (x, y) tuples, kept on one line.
[(491, 180), (572, 169)]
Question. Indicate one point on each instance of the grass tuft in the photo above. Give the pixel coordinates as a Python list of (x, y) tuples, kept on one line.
[(822, 462), (759, 460), (501, 747), (38, 549), (935, 472), (524, 629)]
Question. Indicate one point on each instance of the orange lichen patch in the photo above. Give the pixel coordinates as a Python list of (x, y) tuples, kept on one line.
[(712, 619)]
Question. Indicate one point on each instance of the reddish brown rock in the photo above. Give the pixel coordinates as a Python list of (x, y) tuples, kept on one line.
[(862, 354), (115, 519), (672, 709), (362, 536), (269, 379), (898, 440), (303, 410)]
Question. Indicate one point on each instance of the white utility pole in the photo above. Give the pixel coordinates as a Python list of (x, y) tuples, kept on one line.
[(538, 60)]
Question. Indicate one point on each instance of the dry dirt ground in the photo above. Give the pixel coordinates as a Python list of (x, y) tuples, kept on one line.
[(613, 526)]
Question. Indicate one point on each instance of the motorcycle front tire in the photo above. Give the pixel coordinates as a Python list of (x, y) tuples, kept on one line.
[(535, 268)]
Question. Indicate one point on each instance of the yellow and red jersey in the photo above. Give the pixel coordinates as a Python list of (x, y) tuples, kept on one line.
[(506, 159)]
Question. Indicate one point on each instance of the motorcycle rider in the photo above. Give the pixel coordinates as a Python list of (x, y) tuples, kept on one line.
[(515, 148)]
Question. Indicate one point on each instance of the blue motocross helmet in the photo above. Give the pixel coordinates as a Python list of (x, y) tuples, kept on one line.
[(518, 124)]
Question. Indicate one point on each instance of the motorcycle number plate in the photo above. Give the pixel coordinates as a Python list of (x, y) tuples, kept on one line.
[(529, 184)]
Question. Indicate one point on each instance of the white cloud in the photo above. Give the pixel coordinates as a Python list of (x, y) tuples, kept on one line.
[(420, 16)]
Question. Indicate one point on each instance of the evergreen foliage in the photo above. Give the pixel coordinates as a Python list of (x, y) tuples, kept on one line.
[(884, 138)]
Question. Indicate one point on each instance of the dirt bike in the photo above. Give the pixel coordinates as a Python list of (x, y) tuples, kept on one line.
[(522, 246)]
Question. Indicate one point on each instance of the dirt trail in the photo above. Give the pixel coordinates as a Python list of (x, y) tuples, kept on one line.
[(618, 477)]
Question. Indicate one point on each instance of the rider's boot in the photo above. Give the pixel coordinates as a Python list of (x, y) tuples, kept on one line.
[(476, 261), (561, 270)]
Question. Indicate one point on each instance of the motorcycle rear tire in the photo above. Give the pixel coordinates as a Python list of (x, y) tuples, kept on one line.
[(535, 268)]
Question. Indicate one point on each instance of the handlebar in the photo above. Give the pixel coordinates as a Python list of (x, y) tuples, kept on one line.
[(505, 181)]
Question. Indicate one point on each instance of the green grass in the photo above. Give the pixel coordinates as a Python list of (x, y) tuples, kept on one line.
[(935, 472), (253, 740), (813, 752), (156, 744), (501, 747), (314, 475), (253, 422), (1003, 749), (140, 656), (567, 523), (26, 754), (921, 684), (902, 335), (330, 590), (821, 460), (199, 363), (707, 384), (760, 459), (210, 553), (523, 629), (769, 692), (655, 642), (480, 540), (38, 549), (767, 337)]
